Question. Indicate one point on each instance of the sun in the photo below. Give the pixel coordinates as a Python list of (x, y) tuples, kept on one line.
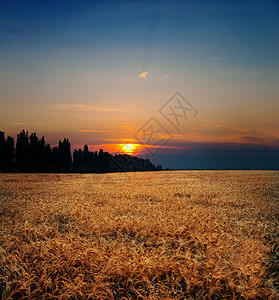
[(128, 148)]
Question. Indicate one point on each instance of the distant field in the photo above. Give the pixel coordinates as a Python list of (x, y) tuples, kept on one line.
[(151, 235)]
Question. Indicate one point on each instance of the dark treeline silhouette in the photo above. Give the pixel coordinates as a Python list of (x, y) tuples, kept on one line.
[(33, 154), (86, 161)]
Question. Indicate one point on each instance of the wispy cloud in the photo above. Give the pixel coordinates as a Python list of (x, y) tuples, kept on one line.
[(215, 58), (121, 140), (16, 123), (143, 74), (96, 131), (85, 107)]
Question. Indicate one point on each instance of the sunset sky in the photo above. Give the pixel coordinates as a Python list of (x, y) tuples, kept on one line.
[(97, 71)]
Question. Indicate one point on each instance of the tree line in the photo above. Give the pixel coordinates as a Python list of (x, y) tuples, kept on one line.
[(33, 154)]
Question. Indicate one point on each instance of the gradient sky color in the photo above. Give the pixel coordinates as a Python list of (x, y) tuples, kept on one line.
[(96, 71)]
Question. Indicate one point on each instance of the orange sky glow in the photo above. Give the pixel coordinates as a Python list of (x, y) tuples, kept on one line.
[(98, 80)]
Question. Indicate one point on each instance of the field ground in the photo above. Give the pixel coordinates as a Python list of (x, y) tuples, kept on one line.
[(151, 235)]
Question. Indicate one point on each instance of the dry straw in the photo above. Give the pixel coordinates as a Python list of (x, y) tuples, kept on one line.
[(163, 235)]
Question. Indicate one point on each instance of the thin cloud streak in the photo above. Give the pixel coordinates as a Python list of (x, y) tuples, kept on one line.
[(16, 123), (84, 107), (143, 74), (96, 131), (121, 140)]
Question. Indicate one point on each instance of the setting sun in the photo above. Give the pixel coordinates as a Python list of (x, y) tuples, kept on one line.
[(129, 148)]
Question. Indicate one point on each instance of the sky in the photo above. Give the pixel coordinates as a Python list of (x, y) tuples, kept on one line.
[(107, 73)]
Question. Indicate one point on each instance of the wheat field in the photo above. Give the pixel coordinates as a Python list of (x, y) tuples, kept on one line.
[(149, 235)]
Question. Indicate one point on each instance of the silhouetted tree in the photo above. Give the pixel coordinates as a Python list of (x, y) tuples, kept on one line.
[(34, 153), (75, 159), (37, 153), (84, 161), (6, 153), (22, 153), (47, 158), (64, 155), (54, 161), (104, 161), (10, 153)]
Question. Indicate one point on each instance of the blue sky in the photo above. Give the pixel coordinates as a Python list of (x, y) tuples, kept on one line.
[(67, 66), (247, 31)]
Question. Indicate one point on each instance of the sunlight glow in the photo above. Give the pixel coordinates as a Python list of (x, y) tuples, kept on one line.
[(128, 148)]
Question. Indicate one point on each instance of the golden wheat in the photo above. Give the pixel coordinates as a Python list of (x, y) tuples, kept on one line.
[(163, 235)]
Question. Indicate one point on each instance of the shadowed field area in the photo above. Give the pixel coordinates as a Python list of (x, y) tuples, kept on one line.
[(162, 235)]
